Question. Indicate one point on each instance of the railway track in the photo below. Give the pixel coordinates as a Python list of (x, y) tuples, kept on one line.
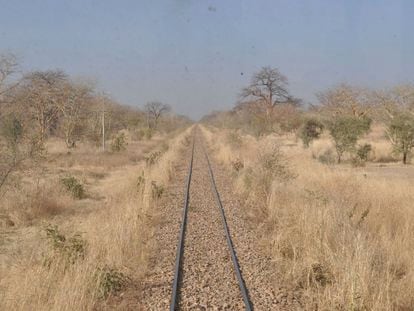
[(176, 299)]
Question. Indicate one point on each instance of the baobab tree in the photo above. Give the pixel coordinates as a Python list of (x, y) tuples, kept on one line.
[(154, 111), (267, 91)]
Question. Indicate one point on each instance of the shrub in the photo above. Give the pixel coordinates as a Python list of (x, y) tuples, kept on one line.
[(153, 158), (327, 157), (74, 187), (186, 141), (401, 134), (119, 143), (148, 133), (346, 131), (110, 281), (12, 130), (70, 249), (237, 165), (157, 190), (362, 155), (234, 139), (363, 151), (274, 165), (140, 180), (310, 130)]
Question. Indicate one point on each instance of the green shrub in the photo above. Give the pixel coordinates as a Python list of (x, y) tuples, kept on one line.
[(310, 130), (363, 151), (345, 132), (401, 134), (74, 187), (70, 249), (110, 281), (327, 157), (119, 143)]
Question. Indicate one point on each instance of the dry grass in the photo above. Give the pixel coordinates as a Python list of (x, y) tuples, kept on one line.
[(96, 252), (343, 236)]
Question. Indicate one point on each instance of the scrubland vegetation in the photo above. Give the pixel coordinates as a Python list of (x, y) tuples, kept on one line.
[(329, 188), (76, 221)]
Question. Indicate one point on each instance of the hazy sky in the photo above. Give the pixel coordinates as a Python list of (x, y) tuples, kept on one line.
[(196, 55)]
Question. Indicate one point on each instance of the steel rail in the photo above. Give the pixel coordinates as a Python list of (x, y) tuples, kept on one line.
[(180, 246), (236, 266)]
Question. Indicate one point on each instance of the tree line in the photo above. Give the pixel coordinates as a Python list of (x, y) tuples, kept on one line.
[(50, 103), (37, 105), (346, 112)]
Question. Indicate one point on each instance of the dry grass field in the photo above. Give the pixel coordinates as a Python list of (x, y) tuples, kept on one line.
[(342, 235), (77, 232)]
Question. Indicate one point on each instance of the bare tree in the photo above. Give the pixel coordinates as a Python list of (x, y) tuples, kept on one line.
[(345, 100), (72, 108), (8, 67), (42, 94), (269, 88), (266, 93), (154, 111), (397, 100)]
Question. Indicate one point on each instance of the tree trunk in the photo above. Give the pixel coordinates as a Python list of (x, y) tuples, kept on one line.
[(404, 157)]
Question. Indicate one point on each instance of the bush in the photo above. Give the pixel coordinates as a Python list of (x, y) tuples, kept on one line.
[(401, 134), (327, 157), (119, 143), (346, 131), (70, 249), (74, 187), (361, 155), (110, 281), (234, 139), (143, 133), (153, 158), (310, 130), (157, 190), (12, 130), (237, 165)]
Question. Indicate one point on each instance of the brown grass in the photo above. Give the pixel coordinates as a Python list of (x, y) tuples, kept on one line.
[(109, 231), (343, 236)]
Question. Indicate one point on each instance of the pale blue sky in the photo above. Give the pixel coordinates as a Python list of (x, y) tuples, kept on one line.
[(191, 53)]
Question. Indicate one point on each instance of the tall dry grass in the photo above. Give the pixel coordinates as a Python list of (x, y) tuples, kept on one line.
[(71, 271), (345, 239)]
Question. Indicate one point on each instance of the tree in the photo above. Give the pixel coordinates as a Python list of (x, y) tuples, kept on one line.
[(154, 111), (41, 93), (401, 134), (267, 90), (72, 108), (311, 129), (345, 132), (345, 100), (8, 67), (15, 149), (395, 101)]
